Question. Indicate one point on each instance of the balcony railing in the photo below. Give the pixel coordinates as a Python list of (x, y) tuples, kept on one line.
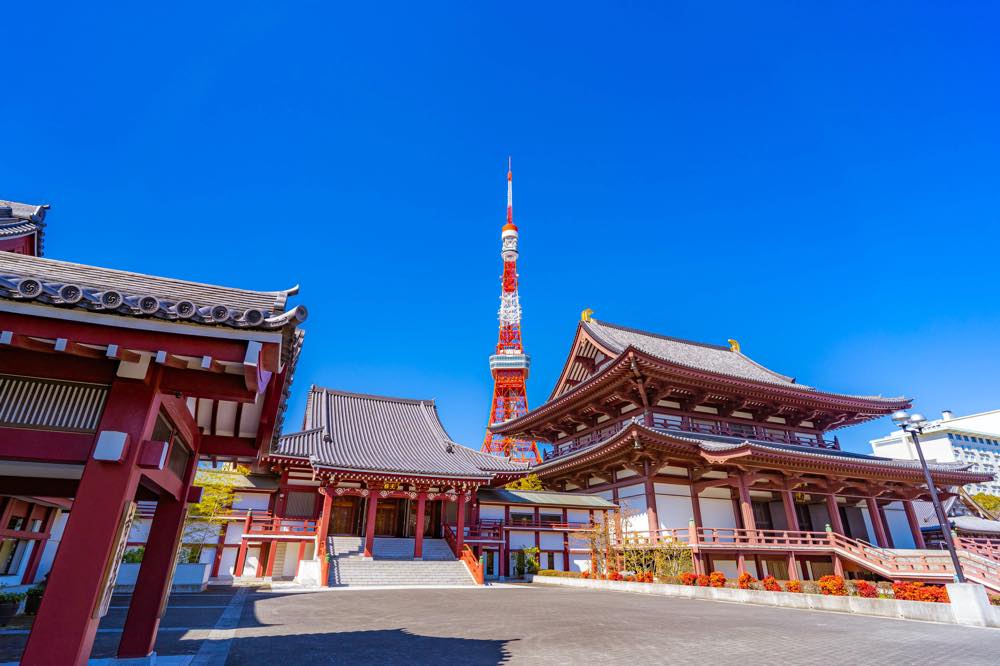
[(280, 527), (698, 425)]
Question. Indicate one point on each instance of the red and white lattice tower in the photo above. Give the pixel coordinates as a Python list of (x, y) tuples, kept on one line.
[(509, 365)]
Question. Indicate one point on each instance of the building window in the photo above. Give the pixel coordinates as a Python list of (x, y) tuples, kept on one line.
[(762, 515)]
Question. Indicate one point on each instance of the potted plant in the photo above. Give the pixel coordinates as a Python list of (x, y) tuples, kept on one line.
[(34, 599), (9, 601)]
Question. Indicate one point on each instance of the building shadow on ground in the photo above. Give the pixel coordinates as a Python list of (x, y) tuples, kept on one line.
[(381, 646)]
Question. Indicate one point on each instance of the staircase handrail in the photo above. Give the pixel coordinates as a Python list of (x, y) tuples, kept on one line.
[(473, 564)]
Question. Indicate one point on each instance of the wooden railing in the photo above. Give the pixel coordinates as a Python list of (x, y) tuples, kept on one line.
[(281, 527), (980, 558), (988, 548), (545, 525), (473, 564)]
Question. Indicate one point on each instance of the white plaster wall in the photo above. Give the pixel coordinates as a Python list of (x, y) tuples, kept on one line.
[(250, 564), (673, 511), (250, 501), (551, 541), (716, 512), (52, 545), (899, 527), (868, 526), (228, 562), (233, 532), (491, 511), (519, 540), (578, 564), (140, 530), (291, 559)]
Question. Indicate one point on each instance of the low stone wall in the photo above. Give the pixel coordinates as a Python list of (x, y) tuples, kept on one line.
[(910, 610), (187, 578)]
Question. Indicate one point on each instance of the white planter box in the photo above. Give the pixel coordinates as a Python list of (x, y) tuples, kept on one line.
[(187, 578), (910, 610)]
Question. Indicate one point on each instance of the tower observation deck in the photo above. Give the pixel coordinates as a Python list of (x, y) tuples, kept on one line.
[(509, 365)]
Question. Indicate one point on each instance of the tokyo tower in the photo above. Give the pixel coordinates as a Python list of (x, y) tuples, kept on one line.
[(509, 365)]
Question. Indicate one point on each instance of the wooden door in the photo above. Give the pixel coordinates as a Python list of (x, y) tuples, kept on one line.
[(344, 512), (385, 518)]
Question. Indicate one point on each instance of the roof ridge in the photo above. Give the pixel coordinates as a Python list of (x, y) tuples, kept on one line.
[(386, 398), (632, 329), (29, 259), (308, 431)]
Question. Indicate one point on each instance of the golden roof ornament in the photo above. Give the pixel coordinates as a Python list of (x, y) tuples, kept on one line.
[(586, 315), (734, 345)]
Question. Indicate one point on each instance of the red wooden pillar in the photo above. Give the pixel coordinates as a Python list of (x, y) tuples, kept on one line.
[(792, 573), (272, 555), (746, 507), (791, 518), (651, 520), (890, 543), (220, 548), (370, 522), (64, 630), (241, 554), (322, 529), (505, 551), (836, 524), (538, 534), (911, 518), (695, 506), (838, 566), (418, 537), (39, 548), (460, 524), (155, 574), (565, 519), (877, 525)]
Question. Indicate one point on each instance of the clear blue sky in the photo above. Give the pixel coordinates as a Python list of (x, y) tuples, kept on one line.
[(705, 171)]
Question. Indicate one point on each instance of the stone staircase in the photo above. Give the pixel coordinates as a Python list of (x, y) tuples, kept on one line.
[(393, 564)]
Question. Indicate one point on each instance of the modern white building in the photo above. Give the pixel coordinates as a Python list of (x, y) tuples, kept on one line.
[(973, 440)]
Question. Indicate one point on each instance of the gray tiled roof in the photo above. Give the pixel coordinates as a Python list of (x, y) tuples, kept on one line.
[(713, 358), (716, 443), (372, 433), (543, 498), (109, 291), (21, 220)]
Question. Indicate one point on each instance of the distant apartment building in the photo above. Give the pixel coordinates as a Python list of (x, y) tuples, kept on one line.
[(972, 440)]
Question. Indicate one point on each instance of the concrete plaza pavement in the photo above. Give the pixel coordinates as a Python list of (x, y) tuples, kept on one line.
[(525, 625)]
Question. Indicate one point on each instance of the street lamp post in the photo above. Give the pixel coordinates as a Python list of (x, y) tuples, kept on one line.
[(914, 425)]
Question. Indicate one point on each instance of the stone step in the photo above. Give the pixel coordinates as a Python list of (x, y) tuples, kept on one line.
[(348, 571)]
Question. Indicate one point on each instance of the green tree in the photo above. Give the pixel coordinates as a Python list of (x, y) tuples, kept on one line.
[(207, 517), (989, 502), (529, 482)]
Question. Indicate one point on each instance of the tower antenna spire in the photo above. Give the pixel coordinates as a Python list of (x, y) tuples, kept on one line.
[(509, 365)]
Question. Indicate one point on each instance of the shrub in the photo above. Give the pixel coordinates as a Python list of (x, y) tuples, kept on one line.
[(920, 592), (645, 576), (688, 578), (14, 597), (133, 555), (793, 586), (995, 599), (717, 579), (771, 584), (562, 574), (703, 580), (745, 581), (865, 589), (614, 575), (832, 586)]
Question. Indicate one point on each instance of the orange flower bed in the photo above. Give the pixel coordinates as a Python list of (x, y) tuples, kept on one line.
[(832, 586), (920, 592)]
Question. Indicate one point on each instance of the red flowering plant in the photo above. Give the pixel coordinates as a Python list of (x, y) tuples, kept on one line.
[(793, 586), (703, 580), (865, 589), (717, 579), (920, 592), (688, 578), (645, 577), (585, 574), (745, 581), (771, 584), (614, 575), (832, 586)]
